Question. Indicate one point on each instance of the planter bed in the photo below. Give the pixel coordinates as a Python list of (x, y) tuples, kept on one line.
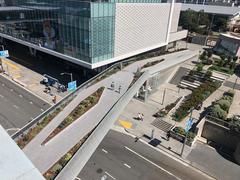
[(167, 109), (82, 107), (26, 138), (62, 162), (194, 99), (180, 134), (149, 64), (221, 69)]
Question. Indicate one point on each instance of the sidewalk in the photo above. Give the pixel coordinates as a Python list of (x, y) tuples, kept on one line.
[(29, 80)]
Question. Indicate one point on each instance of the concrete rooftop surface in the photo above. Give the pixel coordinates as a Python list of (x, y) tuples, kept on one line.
[(14, 165)]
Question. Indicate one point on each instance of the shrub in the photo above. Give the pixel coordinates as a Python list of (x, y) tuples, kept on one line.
[(179, 130), (235, 58), (199, 67), (57, 167), (228, 98), (230, 93), (208, 74), (224, 104), (218, 112), (209, 54)]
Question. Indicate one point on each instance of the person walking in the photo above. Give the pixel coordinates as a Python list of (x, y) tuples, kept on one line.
[(142, 117), (54, 99), (112, 85), (119, 89), (139, 116)]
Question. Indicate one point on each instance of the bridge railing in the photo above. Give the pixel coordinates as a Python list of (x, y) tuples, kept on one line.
[(102, 75)]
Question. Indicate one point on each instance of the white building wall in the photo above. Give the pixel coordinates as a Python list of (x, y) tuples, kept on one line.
[(140, 26), (175, 17)]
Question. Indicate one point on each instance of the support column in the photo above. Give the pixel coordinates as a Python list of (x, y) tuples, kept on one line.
[(32, 51)]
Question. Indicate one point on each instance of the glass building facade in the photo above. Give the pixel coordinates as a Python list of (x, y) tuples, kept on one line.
[(80, 29)]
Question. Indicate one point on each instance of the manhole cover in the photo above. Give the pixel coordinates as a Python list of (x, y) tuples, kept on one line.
[(99, 170)]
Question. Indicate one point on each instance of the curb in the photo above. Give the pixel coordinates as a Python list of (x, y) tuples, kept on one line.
[(164, 151)]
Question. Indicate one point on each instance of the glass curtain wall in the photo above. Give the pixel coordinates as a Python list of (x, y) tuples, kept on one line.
[(83, 29)]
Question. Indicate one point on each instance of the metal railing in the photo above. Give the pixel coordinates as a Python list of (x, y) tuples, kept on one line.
[(66, 99), (104, 74)]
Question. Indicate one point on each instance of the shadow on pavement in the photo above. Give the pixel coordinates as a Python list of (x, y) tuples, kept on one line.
[(226, 153), (46, 64)]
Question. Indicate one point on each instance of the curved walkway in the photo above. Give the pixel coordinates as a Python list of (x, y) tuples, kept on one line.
[(44, 156)]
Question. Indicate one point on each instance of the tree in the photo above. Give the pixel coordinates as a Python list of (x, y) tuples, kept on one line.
[(224, 104), (209, 54), (220, 23), (223, 57), (235, 58), (208, 74), (199, 67), (218, 112)]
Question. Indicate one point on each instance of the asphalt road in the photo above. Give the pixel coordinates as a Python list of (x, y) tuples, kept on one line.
[(17, 106), (120, 157)]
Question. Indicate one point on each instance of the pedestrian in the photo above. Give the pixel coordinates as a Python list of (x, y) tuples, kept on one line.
[(142, 117), (119, 88), (139, 116), (112, 85), (54, 99)]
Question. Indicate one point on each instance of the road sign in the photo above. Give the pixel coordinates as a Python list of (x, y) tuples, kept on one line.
[(189, 124), (4, 53), (72, 86)]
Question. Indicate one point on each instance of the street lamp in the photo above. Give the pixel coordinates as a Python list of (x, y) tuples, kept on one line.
[(70, 74), (185, 139)]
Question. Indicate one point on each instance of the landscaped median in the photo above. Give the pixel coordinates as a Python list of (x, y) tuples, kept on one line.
[(82, 107), (26, 138), (62, 162)]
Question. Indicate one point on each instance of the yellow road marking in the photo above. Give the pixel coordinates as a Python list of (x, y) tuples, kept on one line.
[(125, 124), (9, 63)]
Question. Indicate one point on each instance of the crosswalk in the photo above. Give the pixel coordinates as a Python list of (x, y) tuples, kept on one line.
[(162, 125)]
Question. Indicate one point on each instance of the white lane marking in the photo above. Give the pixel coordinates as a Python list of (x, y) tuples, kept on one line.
[(1, 96), (16, 106), (42, 110), (31, 118), (151, 162), (77, 178), (125, 164), (11, 90), (31, 102), (109, 175), (105, 151), (20, 96)]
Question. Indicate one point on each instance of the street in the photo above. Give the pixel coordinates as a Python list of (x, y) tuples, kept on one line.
[(17, 106), (120, 157)]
